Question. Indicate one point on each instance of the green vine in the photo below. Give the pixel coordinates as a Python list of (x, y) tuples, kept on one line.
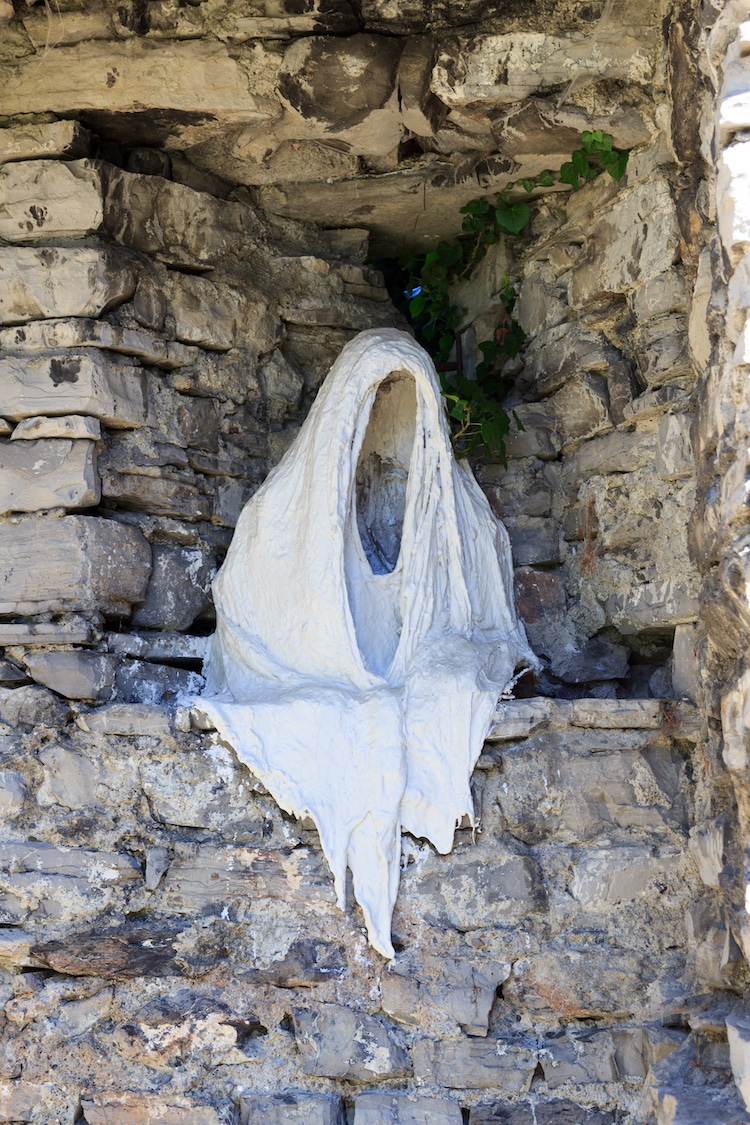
[(478, 419)]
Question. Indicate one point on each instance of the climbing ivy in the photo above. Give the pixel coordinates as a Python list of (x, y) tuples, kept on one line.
[(478, 419)]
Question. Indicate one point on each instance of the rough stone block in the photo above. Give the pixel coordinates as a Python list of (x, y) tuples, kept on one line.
[(76, 675), (661, 349), (40, 881), (611, 453), (290, 1109), (662, 294), (738, 1034), (73, 631), (25, 1101), (80, 332), (179, 588), (579, 1058), (138, 681), (539, 594), (566, 787), (208, 877), (127, 719), (158, 495), (501, 69), (12, 792), (542, 1111), (44, 199), (595, 659), (525, 488), (32, 706), (37, 283), (338, 1042), (477, 889), (580, 408), (534, 540), (632, 241), (141, 1108), (674, 453), (618, 875), (475, 1064), (403, 1109), (71, 426), (72, 384), (582, 980), (706, 844), (421, 111), (463, 991), (161, 646), (538, 438), (183, 1028), (73, 563), (57, 138), (685, 673), (48, 473), (651, 404), (652, 605), (180, 226), (345, 89), (69, 779), (564, 352)]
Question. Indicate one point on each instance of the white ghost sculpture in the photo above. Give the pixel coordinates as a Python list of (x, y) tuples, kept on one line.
[(365, 623)]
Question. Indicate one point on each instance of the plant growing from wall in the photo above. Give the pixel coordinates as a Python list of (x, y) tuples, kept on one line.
[(478, 418)]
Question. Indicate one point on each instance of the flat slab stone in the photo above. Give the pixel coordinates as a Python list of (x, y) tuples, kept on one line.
[(140, 1108), (75, 632), (158, 645), (74, 674), (475, 1064), (32, 706), (43, 199), (48, 473), (59, 385), (58, 138), (337, 1042), (68, 426), (127, 719), (41, 282), (290, 1109), (74, 563), (81, 332), (405, 1109)]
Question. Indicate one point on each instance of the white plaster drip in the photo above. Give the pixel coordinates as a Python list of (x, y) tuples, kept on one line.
[(365, 623)]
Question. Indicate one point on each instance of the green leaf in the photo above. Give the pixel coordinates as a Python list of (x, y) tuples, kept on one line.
[(568, 175), (527, 185), (580, 162), (512, 219), (417, 305), (615, 163), (545, 178)]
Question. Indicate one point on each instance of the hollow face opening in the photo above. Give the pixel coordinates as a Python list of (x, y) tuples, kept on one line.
[(383, 471)]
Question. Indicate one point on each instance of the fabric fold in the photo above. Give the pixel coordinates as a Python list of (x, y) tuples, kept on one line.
[(365, 622)]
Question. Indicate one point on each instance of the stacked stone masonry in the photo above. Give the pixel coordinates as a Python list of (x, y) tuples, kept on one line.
[(191, 200)]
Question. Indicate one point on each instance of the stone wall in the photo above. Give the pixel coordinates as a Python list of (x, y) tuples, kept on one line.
[(184, 192)]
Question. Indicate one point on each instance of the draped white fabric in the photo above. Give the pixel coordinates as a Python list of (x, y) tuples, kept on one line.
[(360, 690)]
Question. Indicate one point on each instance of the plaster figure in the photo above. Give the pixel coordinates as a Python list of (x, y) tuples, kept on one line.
[(365, 623)]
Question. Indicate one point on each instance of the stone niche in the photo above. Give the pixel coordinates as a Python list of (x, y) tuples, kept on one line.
[(197, 203)]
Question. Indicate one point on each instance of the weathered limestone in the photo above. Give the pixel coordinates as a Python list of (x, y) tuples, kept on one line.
[(76, 675), (72, 384), (73, 563), (38, 283), (336, 1042), (44, 199), (68, 426), (56, 138), (53, 335), (47, 473)]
